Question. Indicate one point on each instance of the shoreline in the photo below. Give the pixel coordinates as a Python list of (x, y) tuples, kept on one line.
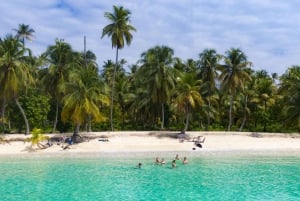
[(146, 143)]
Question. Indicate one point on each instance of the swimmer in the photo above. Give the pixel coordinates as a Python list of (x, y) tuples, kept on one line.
[(185, 160), (174, 164), (162, 162), (139, 165), (157, 160), (176, 157)]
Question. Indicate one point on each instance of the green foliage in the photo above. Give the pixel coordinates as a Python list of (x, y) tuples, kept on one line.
[(36, 137), (36, 107), (210, 93)]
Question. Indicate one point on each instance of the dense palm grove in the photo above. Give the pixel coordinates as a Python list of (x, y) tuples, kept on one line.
[(64, 90)]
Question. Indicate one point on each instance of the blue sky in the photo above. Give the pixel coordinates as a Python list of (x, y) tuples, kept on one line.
[(267, 31)]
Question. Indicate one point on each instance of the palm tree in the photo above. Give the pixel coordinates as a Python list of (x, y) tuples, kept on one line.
[(120, 32), (15, 73), (187, 95), (208, 63), (24, 32), (234, 75), (60, 57), (290, 88), (266, 96), (84, 93), (158, 75), (247, 98)]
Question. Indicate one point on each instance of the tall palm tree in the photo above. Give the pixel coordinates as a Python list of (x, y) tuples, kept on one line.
[(60, 57), (84, 93), (24, 32), (233, 75), (187, 95), (208, 63), (119, 30), (15, 73), (159, 75), (247, 99)]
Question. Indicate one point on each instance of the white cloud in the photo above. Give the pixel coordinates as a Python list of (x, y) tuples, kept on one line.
[(267, 31)]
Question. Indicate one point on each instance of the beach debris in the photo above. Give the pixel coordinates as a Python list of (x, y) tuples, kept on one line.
[(255, 134)]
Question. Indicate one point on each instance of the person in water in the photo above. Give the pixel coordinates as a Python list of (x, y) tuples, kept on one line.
[(139, 165), (174, 164), (177, 157), (162, 162), (185, 160), (157, 160)]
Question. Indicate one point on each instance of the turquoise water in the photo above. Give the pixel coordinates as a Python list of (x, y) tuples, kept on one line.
[(117, 178)]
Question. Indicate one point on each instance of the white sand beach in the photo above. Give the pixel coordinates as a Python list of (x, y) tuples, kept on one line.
[(132, 141)]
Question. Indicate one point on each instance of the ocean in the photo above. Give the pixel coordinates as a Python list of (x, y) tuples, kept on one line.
[(112, 177)]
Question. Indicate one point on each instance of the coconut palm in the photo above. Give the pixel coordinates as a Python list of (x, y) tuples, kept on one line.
[(187, 95), (15, 73), (24, 32), (266, 95), (248, 97), (119, 30), (84, 93), (290, 88), (208, 63), (59, 57), (233, 75), (158, 75), (141, 106)]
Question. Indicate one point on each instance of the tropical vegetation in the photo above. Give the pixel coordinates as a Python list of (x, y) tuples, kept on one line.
[(63, 90)]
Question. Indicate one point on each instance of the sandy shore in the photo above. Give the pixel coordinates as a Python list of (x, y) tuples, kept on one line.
[(120, 142)]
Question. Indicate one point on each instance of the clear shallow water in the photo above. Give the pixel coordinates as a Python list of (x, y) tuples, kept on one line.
[(107, 178)]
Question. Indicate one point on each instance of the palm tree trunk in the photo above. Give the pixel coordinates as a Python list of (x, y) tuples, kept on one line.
[(56, 117), (3, 114), (265, 123), (230, 113), (76, 129), (76, 137), (187, 120), (298, 123), (23, 115), (245, 114), (208, 116), (162, 116), (112, 92), (123, 117), (89, 129)]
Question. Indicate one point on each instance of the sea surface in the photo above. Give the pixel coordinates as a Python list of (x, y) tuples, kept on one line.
[(99, 177)]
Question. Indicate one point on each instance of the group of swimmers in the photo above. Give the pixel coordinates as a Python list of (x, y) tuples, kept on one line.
[(163, 161)]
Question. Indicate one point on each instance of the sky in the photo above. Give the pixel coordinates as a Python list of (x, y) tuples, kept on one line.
[(267, 31)]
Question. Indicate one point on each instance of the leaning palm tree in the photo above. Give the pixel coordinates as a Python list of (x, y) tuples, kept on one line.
[(120, 32), (15, 73), (24, 32), (233, 75), (187, 95)]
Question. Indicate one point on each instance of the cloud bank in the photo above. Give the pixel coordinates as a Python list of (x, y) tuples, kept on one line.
[(267, 31)]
